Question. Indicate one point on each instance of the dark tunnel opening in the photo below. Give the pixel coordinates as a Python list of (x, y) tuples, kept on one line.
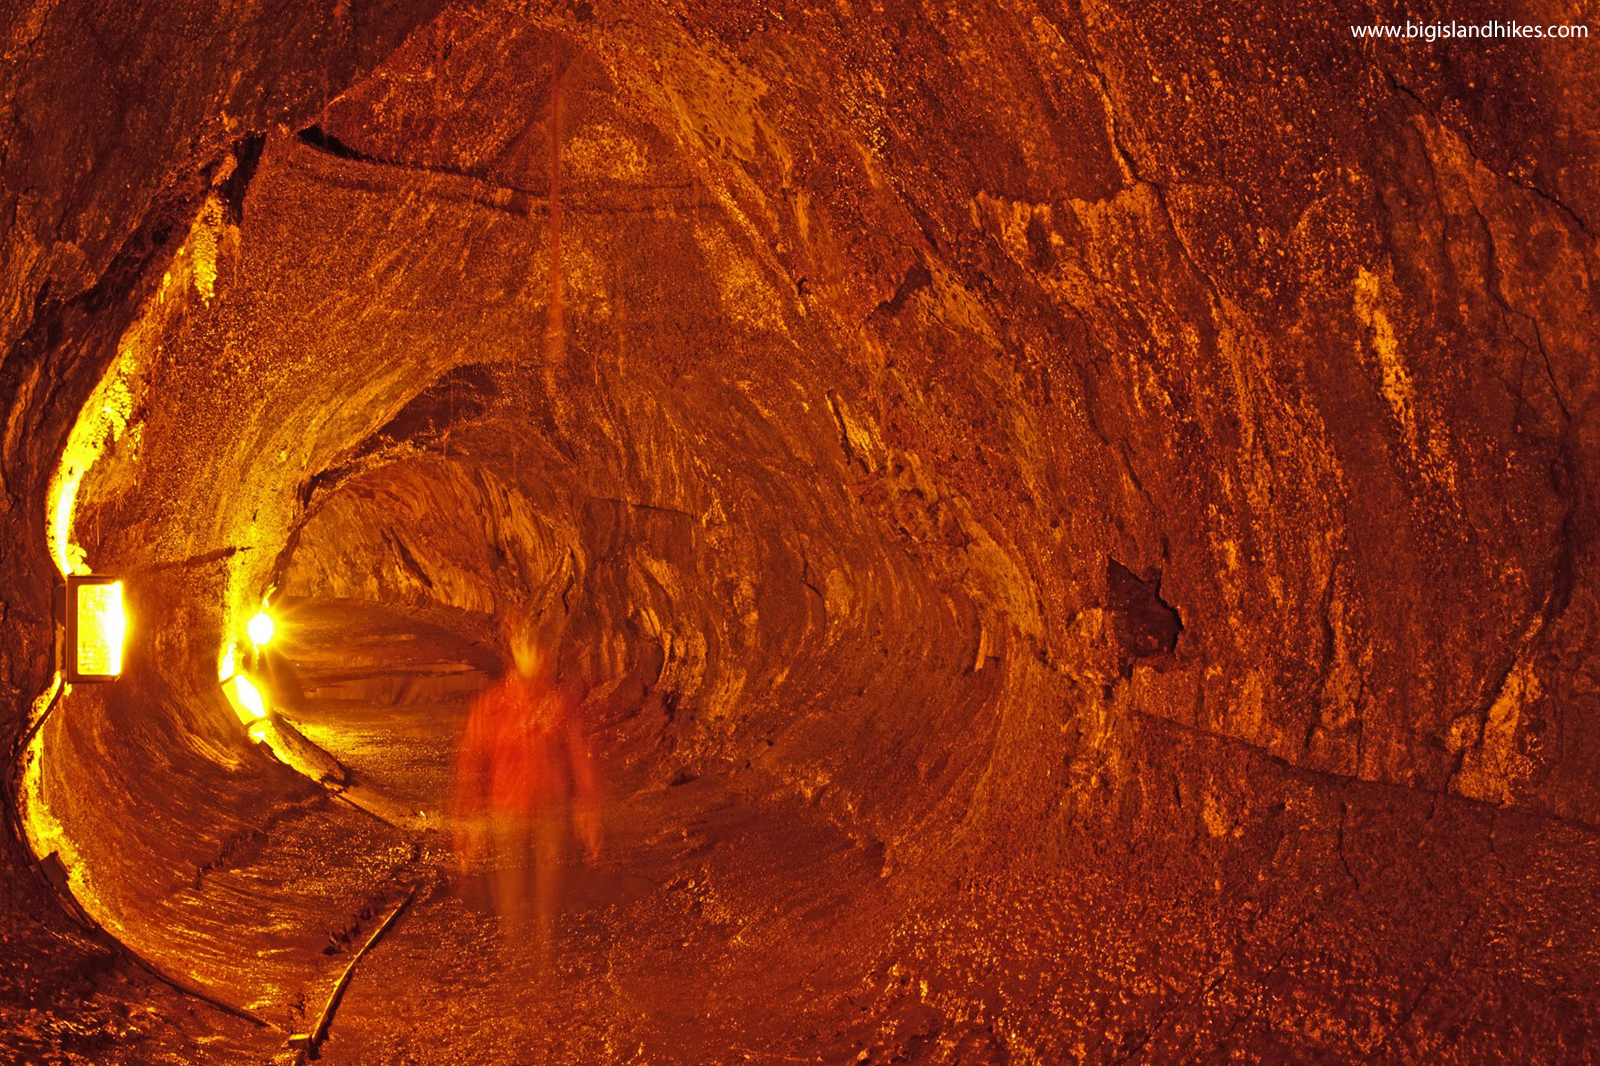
[(1032, 541)]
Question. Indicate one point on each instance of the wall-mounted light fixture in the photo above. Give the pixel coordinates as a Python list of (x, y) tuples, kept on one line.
[(260, 629), (95, 626)]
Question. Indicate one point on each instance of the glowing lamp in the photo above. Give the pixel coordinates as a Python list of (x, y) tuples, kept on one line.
[(260, 629), (96, 626)]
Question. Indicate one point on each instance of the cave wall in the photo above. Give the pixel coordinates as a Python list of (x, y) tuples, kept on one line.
[(1325, 386), (114, 121), (1031, 429)]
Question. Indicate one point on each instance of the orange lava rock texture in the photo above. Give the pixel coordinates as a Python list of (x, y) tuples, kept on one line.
[(1088, 514)]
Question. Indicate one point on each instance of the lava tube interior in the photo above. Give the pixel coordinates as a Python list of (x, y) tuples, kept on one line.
[(1058, 533)]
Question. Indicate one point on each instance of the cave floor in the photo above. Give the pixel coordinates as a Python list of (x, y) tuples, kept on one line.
[(709, 930), (726, 921), (700, 936), (731, 919)]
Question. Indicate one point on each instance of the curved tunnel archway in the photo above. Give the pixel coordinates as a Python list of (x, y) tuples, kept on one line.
[(1043, 595), (416, 465)]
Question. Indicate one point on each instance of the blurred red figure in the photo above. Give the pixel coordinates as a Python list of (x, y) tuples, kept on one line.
[(525, 775)]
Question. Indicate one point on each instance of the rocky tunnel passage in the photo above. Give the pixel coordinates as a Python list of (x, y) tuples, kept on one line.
[(1080, 535)]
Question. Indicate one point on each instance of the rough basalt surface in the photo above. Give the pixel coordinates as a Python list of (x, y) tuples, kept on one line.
[(1080, 522)]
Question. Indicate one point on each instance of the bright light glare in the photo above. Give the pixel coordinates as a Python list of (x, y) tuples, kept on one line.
[(69, 557), (249, 698), (260, 629), (102, 627)]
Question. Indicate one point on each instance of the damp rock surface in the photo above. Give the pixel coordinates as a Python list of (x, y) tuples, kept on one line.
[(1077, 532)]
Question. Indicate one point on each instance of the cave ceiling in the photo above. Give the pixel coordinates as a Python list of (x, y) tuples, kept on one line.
[(1080, 520)]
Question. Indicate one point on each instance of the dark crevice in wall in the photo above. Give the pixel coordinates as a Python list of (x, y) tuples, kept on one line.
[(321, 139), (247, 157), (1146, 625), (408, 560), (917, 278)]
